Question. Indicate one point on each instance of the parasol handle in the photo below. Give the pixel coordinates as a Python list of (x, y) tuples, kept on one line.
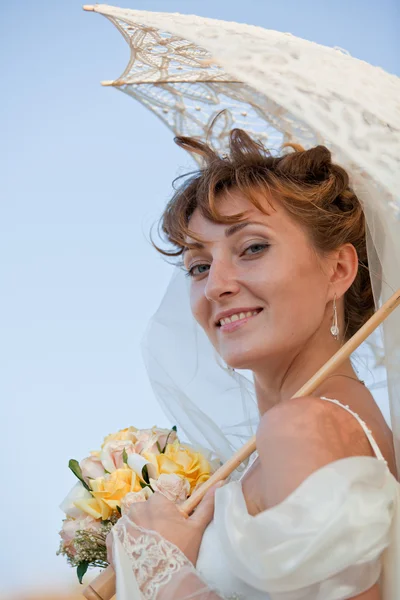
[(103, 586)]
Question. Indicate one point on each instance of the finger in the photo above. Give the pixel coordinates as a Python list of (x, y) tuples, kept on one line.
[(205, 510)]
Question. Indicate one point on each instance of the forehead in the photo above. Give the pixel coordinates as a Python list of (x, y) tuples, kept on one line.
[(231, 202)]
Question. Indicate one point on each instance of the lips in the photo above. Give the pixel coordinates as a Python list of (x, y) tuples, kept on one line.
[(228, 328), (237, 311)]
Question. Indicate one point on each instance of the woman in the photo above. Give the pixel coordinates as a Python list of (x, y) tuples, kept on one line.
[(275, 249)]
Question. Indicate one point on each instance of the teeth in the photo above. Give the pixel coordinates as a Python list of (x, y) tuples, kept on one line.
[(238, 316)]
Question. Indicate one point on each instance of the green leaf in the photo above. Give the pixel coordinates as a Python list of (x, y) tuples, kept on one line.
[(119, 509), (81, 569), (124, 456), (145, 474), (145, 485), (159, 447), (75, 468), (166, 441)]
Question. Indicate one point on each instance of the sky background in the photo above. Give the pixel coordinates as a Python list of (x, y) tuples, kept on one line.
[(85, 172)]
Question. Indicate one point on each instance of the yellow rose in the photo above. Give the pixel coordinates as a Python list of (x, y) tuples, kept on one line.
[(108, 493), (184, 461), (124, 434)]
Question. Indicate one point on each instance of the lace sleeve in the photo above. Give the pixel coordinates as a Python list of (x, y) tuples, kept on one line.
[(148, 567)]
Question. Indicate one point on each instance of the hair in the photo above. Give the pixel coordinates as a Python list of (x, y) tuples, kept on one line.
[(314, 192)]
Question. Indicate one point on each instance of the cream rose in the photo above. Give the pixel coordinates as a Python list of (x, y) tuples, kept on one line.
[(77, 494), (172, 486), (91, 468), (134, 497), (111, 455), (154, 439), (71, 526)]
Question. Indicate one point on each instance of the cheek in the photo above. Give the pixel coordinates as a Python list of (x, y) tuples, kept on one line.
[(198, 303), (292, 284)]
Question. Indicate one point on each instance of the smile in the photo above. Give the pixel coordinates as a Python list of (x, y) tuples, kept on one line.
[(229, 324)]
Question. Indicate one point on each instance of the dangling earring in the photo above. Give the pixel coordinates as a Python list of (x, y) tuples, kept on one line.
[(335, 327)]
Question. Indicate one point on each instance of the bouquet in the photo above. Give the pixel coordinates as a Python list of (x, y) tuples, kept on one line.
[(131, 465)]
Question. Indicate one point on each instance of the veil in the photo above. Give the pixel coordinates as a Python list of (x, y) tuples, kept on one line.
[(279, 88), (215, 406)]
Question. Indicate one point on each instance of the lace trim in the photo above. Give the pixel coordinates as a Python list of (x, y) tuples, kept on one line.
[(154, 560)]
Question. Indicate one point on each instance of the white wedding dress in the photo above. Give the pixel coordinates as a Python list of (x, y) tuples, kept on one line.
[(332, 538)]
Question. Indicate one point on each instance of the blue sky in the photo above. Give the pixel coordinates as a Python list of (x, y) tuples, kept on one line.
[(85, 171)]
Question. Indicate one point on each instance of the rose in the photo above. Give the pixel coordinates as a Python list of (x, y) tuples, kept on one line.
[(153, 440), (174, 487), (71, 526), (108, 492), (123, 434), (134, 497), (91, 468), (77, 493), (112, 454), (183, 460)]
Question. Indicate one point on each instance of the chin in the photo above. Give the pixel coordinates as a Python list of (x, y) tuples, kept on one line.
[(247, 360)]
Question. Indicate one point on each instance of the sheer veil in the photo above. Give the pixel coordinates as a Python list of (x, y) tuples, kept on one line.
[(279, 88), (216, 407)]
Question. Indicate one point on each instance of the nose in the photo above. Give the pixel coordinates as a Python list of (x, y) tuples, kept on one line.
[(221, 281)]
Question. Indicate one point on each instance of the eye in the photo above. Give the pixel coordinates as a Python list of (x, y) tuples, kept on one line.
[(197, 270), (256, 249), (201, 269)]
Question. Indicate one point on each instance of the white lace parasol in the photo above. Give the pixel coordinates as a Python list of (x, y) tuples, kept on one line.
[(277, 87)]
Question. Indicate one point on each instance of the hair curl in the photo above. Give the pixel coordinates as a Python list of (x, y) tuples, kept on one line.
[(312, 189)]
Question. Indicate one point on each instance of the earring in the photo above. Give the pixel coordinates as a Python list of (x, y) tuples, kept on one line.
[(335, 327)]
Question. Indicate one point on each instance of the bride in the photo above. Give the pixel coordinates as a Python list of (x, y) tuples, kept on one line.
[(274, 249)]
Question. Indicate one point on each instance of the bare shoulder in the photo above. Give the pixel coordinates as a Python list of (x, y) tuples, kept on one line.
[(298, 437)]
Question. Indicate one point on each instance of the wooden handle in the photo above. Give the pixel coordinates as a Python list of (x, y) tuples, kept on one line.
[(103, 586)]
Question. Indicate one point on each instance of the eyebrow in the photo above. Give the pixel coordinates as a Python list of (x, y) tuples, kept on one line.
[(229, 231)]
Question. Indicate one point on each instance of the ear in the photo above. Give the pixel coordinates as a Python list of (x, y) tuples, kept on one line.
[(344, 269)]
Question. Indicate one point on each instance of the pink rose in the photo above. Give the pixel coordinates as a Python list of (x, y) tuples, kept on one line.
[(134, 497), (151, 440), (91, 468), (172, 486), (112, 453), (71, 526)]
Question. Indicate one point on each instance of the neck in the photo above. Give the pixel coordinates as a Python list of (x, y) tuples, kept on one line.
[(281, 381)]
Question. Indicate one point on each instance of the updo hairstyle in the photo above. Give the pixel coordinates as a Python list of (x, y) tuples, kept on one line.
[(314, 192)]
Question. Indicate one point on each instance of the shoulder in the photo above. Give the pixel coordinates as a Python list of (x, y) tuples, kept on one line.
[(300, 436)]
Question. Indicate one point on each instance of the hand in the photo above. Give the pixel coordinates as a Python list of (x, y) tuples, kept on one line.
[(161, 515)]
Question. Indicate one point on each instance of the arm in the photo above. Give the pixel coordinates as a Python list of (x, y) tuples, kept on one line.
[(148, 566)]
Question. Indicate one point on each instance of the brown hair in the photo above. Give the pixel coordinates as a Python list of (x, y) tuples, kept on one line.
[(313, 190)]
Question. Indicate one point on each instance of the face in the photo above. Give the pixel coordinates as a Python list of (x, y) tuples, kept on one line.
[(259, 291)]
